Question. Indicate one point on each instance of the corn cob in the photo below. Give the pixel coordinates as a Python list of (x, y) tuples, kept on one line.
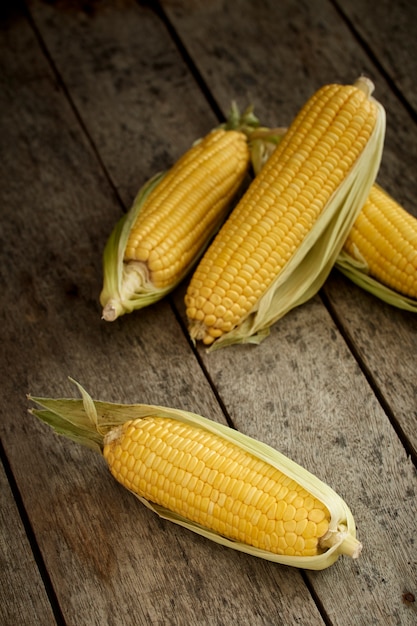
[(173, 217), (211, 479), (382, 244), (281, 240)]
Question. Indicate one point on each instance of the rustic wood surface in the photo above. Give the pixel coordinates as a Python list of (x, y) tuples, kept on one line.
[(95, 98)]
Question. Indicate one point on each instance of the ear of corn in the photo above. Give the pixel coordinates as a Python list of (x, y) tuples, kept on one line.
[(281, 240), (173, 217), (211, 479), (380, 253)]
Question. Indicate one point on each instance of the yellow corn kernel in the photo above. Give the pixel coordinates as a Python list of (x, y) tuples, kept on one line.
[(384, 235), (230, 504), (279, 210), (173, 223)]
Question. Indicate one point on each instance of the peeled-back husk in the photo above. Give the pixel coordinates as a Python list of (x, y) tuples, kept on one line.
[(356, 268), (357, 271), (118, 296), (88, 422)]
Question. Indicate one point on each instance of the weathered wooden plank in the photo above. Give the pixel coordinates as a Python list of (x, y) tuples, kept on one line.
[(110, 560), (388, 357), (143, 92), (23, 599), (389, 34)]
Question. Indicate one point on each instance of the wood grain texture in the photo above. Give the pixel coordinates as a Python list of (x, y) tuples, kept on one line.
[(388, 32), (387, 357), (132, 89), (95, 98), (23, 599)]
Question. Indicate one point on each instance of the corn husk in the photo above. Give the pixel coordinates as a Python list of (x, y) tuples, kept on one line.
[(356, 269), (311, 264), (87, 422), (127, 286)]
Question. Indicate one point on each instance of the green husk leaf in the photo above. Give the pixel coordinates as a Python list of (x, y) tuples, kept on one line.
[(120, 293), (356, 270), (79, 435), (311, 264), (88, 421), (246, 122)]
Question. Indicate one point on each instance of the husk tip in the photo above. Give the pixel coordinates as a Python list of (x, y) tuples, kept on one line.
[(365, 84), (110, 311)]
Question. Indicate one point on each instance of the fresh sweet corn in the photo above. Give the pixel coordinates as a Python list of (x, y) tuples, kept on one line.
[(384, 239), (281, 240), (212, 479), (173, 217), (213, 482)]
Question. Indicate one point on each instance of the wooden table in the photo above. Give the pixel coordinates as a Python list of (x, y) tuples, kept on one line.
[(95, 98)]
